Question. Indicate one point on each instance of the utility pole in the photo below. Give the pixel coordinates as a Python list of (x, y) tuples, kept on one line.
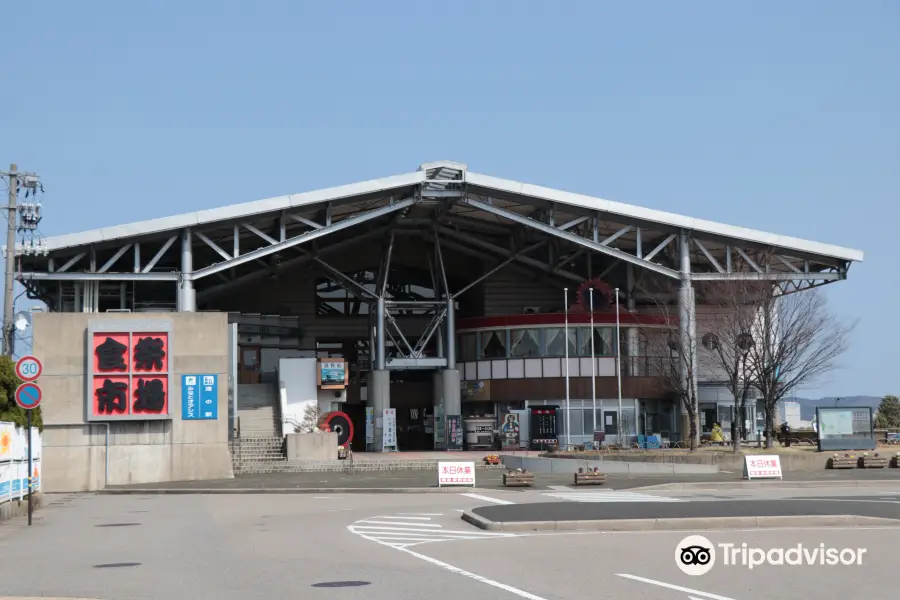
[(9, 285), (31, 216)]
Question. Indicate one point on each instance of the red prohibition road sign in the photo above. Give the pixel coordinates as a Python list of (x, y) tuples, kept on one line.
[(29, 368), (28, 395)]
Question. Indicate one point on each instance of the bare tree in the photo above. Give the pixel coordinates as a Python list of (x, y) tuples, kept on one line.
[(727, 341), (797, 341), (671, 358), (310, 419)]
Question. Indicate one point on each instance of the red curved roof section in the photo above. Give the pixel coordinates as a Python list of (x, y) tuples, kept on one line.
[(625, 318)]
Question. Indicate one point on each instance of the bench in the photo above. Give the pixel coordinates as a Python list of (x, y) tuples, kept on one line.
[(873, 462), (841, 462), (518, 479), (583, 477)]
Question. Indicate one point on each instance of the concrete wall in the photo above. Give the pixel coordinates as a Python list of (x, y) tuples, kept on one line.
[(74, 453), (312, 446)]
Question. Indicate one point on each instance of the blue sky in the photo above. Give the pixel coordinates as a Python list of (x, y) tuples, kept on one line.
[(779, 116)]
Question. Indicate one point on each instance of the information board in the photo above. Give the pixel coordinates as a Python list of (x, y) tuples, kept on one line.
[(370, 425), (199, 397)]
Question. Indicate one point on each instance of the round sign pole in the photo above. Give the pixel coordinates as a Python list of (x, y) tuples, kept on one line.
[(30, 467)]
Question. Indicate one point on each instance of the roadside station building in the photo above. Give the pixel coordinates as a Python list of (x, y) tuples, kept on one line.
[(442, 293)]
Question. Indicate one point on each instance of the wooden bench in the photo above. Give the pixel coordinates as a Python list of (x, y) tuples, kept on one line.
[(841, 462), (873, 462), (518, 479), (589, 478)]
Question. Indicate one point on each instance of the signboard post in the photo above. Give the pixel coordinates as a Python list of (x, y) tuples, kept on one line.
[(456, 473), (28, 396), (454, 433), (370, 425), (758, 466), (389, 429)]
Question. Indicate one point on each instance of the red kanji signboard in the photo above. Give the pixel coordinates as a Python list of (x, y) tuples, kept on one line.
[(456, 473), (128, 370)]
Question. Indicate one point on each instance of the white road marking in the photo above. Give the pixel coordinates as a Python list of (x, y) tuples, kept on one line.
[(423, 514), (476, 577), (401, 523), (487, 499), (609, 496), (674, 587), (403, 518), (403, 533)]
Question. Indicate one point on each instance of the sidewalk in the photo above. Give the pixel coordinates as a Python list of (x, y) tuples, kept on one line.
[(423, 481)]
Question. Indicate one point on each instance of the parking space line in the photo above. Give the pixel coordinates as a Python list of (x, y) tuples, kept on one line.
[(476, 577), (672, 586), (487, 499)]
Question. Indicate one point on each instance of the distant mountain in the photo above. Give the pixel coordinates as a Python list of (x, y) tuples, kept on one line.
[(808, 405)]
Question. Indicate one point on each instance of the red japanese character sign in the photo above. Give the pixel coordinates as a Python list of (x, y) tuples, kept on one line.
[(762, 467), (129, 374), (456, 473)]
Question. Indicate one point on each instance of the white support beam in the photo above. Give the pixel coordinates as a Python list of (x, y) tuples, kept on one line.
[(71, 262), (212, 245), (660, 247), (259, 233), (305, 221), (616, 235), (570, 237), (302, 238), (114, 258), (709, 256), (787, 264), (80, 276), (749, 260), (754, 276), (149, 266), (137, 257)]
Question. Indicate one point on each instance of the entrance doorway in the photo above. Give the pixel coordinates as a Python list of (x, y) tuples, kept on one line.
[(248, 369)]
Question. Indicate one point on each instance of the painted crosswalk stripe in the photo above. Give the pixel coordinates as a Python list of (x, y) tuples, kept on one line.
[(401, 532), (610, 496)]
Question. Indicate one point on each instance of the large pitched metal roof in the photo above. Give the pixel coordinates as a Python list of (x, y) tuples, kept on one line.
[(484, 185)]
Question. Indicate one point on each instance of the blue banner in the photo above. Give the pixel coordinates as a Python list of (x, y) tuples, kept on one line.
[(199, 397)]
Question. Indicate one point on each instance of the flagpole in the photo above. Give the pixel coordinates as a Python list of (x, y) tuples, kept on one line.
[(593, 366), (566, 343), (619, 429)]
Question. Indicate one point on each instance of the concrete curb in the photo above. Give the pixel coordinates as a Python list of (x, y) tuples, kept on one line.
[(720, 485), (185, 491), (685, 524)]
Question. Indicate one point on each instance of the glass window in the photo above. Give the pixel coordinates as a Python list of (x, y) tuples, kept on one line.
[(589, 421), (469, 346), (553, 341), (576, 422), (603, 341), (560, 423), (524, 343), (493, 344)]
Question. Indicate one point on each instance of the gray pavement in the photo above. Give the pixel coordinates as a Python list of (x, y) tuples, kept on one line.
[(485, 479), (399, 547)]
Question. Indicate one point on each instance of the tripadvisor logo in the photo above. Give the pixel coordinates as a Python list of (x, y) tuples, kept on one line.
[(696, 555)]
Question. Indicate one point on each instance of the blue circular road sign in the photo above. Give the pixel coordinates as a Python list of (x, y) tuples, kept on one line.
[(28, 395)]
